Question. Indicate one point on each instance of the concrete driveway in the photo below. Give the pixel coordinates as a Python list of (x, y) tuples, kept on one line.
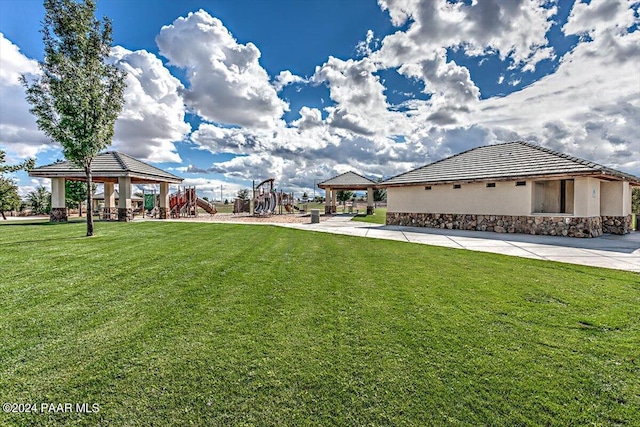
[(608, 251)]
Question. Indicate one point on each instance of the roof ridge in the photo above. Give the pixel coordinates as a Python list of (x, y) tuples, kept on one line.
[(345, 173), (117, 156)]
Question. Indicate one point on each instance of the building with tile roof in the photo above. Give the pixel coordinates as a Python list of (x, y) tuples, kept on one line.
[(109, 168), (513, 187)]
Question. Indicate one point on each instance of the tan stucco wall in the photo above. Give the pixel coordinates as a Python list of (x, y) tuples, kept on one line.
[(586, 197), (57, 193), (476, 198), (615, 198)]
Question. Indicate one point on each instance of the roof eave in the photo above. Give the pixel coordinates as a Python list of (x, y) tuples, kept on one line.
[(598, 174)]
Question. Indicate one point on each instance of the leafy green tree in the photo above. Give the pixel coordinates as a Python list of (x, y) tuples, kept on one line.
[(40, 200), (77, 99), (9, 197), (635, 200), (379, 194), (243, 194), (74, 194), (344, 196)]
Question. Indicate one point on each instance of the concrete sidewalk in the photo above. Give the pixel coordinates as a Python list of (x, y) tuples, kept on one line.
[(609, 251)]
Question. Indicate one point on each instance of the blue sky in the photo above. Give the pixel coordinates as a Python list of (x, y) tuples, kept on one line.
[(223, 92)]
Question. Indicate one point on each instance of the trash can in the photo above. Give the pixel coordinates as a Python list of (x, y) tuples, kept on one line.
[(315, 216)]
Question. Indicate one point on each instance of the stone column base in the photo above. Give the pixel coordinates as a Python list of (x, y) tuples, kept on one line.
[(58, 215), (369, 210), (163, 213), (125, 214), (110, 214)]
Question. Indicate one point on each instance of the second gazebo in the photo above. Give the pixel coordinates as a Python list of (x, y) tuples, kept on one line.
[(346, 181)]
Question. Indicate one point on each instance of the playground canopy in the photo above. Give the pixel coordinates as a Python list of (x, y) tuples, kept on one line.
[(109, 168), (347, 181)]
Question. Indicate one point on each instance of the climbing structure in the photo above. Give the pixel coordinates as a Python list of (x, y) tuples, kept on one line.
[(265, 199), (185, 203)]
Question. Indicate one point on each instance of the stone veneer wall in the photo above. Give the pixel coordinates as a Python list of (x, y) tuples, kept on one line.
[(617, 224), (110, 213), (163, 213), (58, 215), (543, 225), (125, 214)]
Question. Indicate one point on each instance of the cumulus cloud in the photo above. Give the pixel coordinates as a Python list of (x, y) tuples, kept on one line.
[(285, 78), (19, 134), (515, 29), (227, 84), (600, 16), (152, 119), (360, 104)]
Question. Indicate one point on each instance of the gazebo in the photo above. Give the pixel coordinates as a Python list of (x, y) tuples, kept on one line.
[(109, 168), (346, 181)]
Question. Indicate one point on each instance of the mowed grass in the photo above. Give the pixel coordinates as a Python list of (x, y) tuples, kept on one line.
[(169, 324), (379, 217)]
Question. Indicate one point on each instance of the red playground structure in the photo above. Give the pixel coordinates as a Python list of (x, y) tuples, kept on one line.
[(185, 203)]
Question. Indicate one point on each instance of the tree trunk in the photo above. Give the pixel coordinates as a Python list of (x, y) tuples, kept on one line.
[(80, 209), (87, 171), (3, 217)]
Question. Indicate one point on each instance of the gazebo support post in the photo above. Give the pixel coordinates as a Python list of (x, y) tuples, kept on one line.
[(327, 200), (109, 211), (125, 212), (58, 208), (163, 212), (334, 200), (369, 201)]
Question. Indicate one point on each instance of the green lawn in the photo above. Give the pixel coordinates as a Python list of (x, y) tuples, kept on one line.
[(379, 217), (182, 324)]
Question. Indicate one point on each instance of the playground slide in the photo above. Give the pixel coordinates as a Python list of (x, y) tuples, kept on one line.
[(206, 206)]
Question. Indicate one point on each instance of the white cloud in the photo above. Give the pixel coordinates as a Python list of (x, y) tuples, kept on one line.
[(593, 115), (600, 16), (361, 106), (153, 115), (285, 78), (19, 134), (516, 30), (366, 46), (227, 83)]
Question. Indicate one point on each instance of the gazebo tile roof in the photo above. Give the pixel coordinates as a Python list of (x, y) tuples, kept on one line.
[(107, 164), (347, 179)]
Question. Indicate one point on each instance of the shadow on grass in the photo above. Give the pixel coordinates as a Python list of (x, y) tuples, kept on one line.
[(42, 223)]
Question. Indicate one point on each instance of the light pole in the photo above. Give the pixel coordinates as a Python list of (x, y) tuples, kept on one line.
[(314, 190)]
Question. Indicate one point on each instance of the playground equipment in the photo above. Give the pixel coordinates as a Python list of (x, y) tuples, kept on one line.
[(268, 201), (185, 203), (241, 206), (264, 200)]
